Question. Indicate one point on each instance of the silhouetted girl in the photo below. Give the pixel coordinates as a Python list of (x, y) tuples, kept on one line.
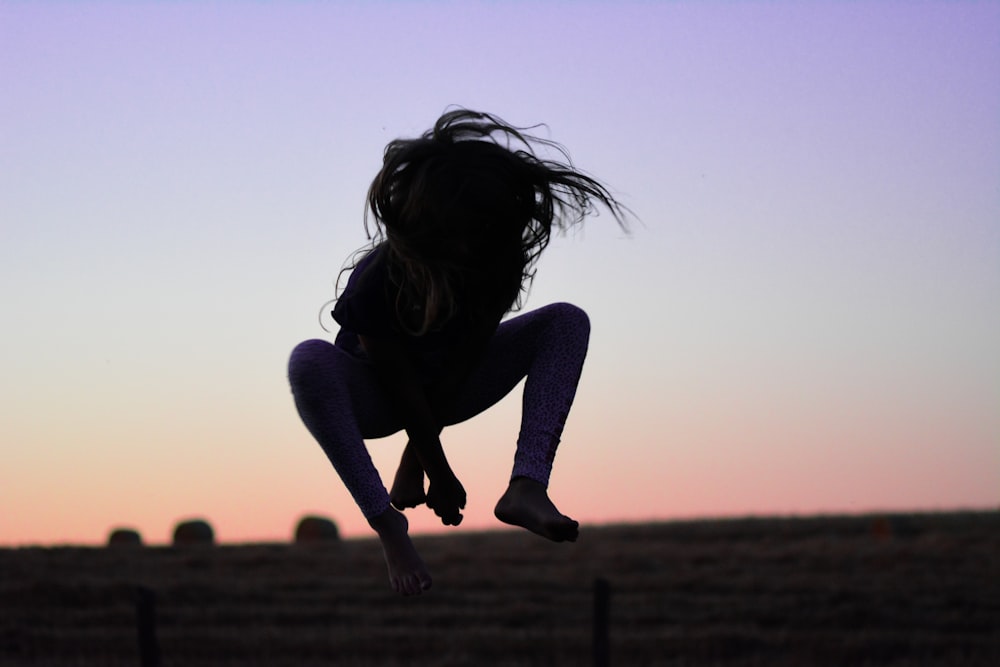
[(461, 215)]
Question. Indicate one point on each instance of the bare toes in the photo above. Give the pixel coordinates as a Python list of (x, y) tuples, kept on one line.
[(566, 532)]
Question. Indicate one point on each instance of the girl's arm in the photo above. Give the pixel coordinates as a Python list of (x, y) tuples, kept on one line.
[(398, 377), (408, 485), (441, 395)]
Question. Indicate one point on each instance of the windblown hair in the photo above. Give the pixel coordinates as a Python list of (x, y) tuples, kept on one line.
[(466, 209)]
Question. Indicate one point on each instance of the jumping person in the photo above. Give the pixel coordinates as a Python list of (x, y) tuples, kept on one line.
[(462, 214)]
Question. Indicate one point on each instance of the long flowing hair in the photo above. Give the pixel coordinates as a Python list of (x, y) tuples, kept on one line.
[(466, 209)]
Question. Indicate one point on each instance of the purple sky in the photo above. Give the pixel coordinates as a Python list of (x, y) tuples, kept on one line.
[(804, 320)]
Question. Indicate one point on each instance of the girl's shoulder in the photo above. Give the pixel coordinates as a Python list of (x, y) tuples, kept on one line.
[(372, 260), (364, 306)]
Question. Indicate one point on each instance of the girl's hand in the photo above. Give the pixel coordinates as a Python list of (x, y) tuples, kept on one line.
[(446, 496), (408, 485)]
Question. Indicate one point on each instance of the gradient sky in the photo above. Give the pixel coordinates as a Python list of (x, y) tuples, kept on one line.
[(804, 320)]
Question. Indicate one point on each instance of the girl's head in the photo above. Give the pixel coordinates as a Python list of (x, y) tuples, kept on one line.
[(467, 208)]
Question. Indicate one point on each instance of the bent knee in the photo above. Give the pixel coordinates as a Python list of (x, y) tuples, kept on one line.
[(571, 316), (308, 359)]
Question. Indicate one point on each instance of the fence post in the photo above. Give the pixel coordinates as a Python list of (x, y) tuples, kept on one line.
[(602, 609), (145, 618)]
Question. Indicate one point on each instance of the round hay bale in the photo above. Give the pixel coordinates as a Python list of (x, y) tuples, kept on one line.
[(316, 530), (124, 537), (193, 532)]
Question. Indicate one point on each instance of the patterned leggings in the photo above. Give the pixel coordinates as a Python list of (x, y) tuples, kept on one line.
[(339, 398)]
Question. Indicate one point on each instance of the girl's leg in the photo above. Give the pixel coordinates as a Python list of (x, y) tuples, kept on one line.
[(338, 399), (548, 346)]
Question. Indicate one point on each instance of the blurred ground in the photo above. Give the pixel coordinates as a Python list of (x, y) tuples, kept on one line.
[(920, 589)]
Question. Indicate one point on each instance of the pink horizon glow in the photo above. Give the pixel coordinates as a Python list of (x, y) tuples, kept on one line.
[(803, 321)]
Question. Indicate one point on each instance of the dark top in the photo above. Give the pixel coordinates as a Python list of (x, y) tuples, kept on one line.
[(367, 307)]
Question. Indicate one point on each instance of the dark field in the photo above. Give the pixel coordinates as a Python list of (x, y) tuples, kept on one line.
[(895, 590)]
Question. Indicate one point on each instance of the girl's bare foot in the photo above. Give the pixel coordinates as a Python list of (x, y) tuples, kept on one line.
[(407, 572), (526, 504), (408, 485)]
